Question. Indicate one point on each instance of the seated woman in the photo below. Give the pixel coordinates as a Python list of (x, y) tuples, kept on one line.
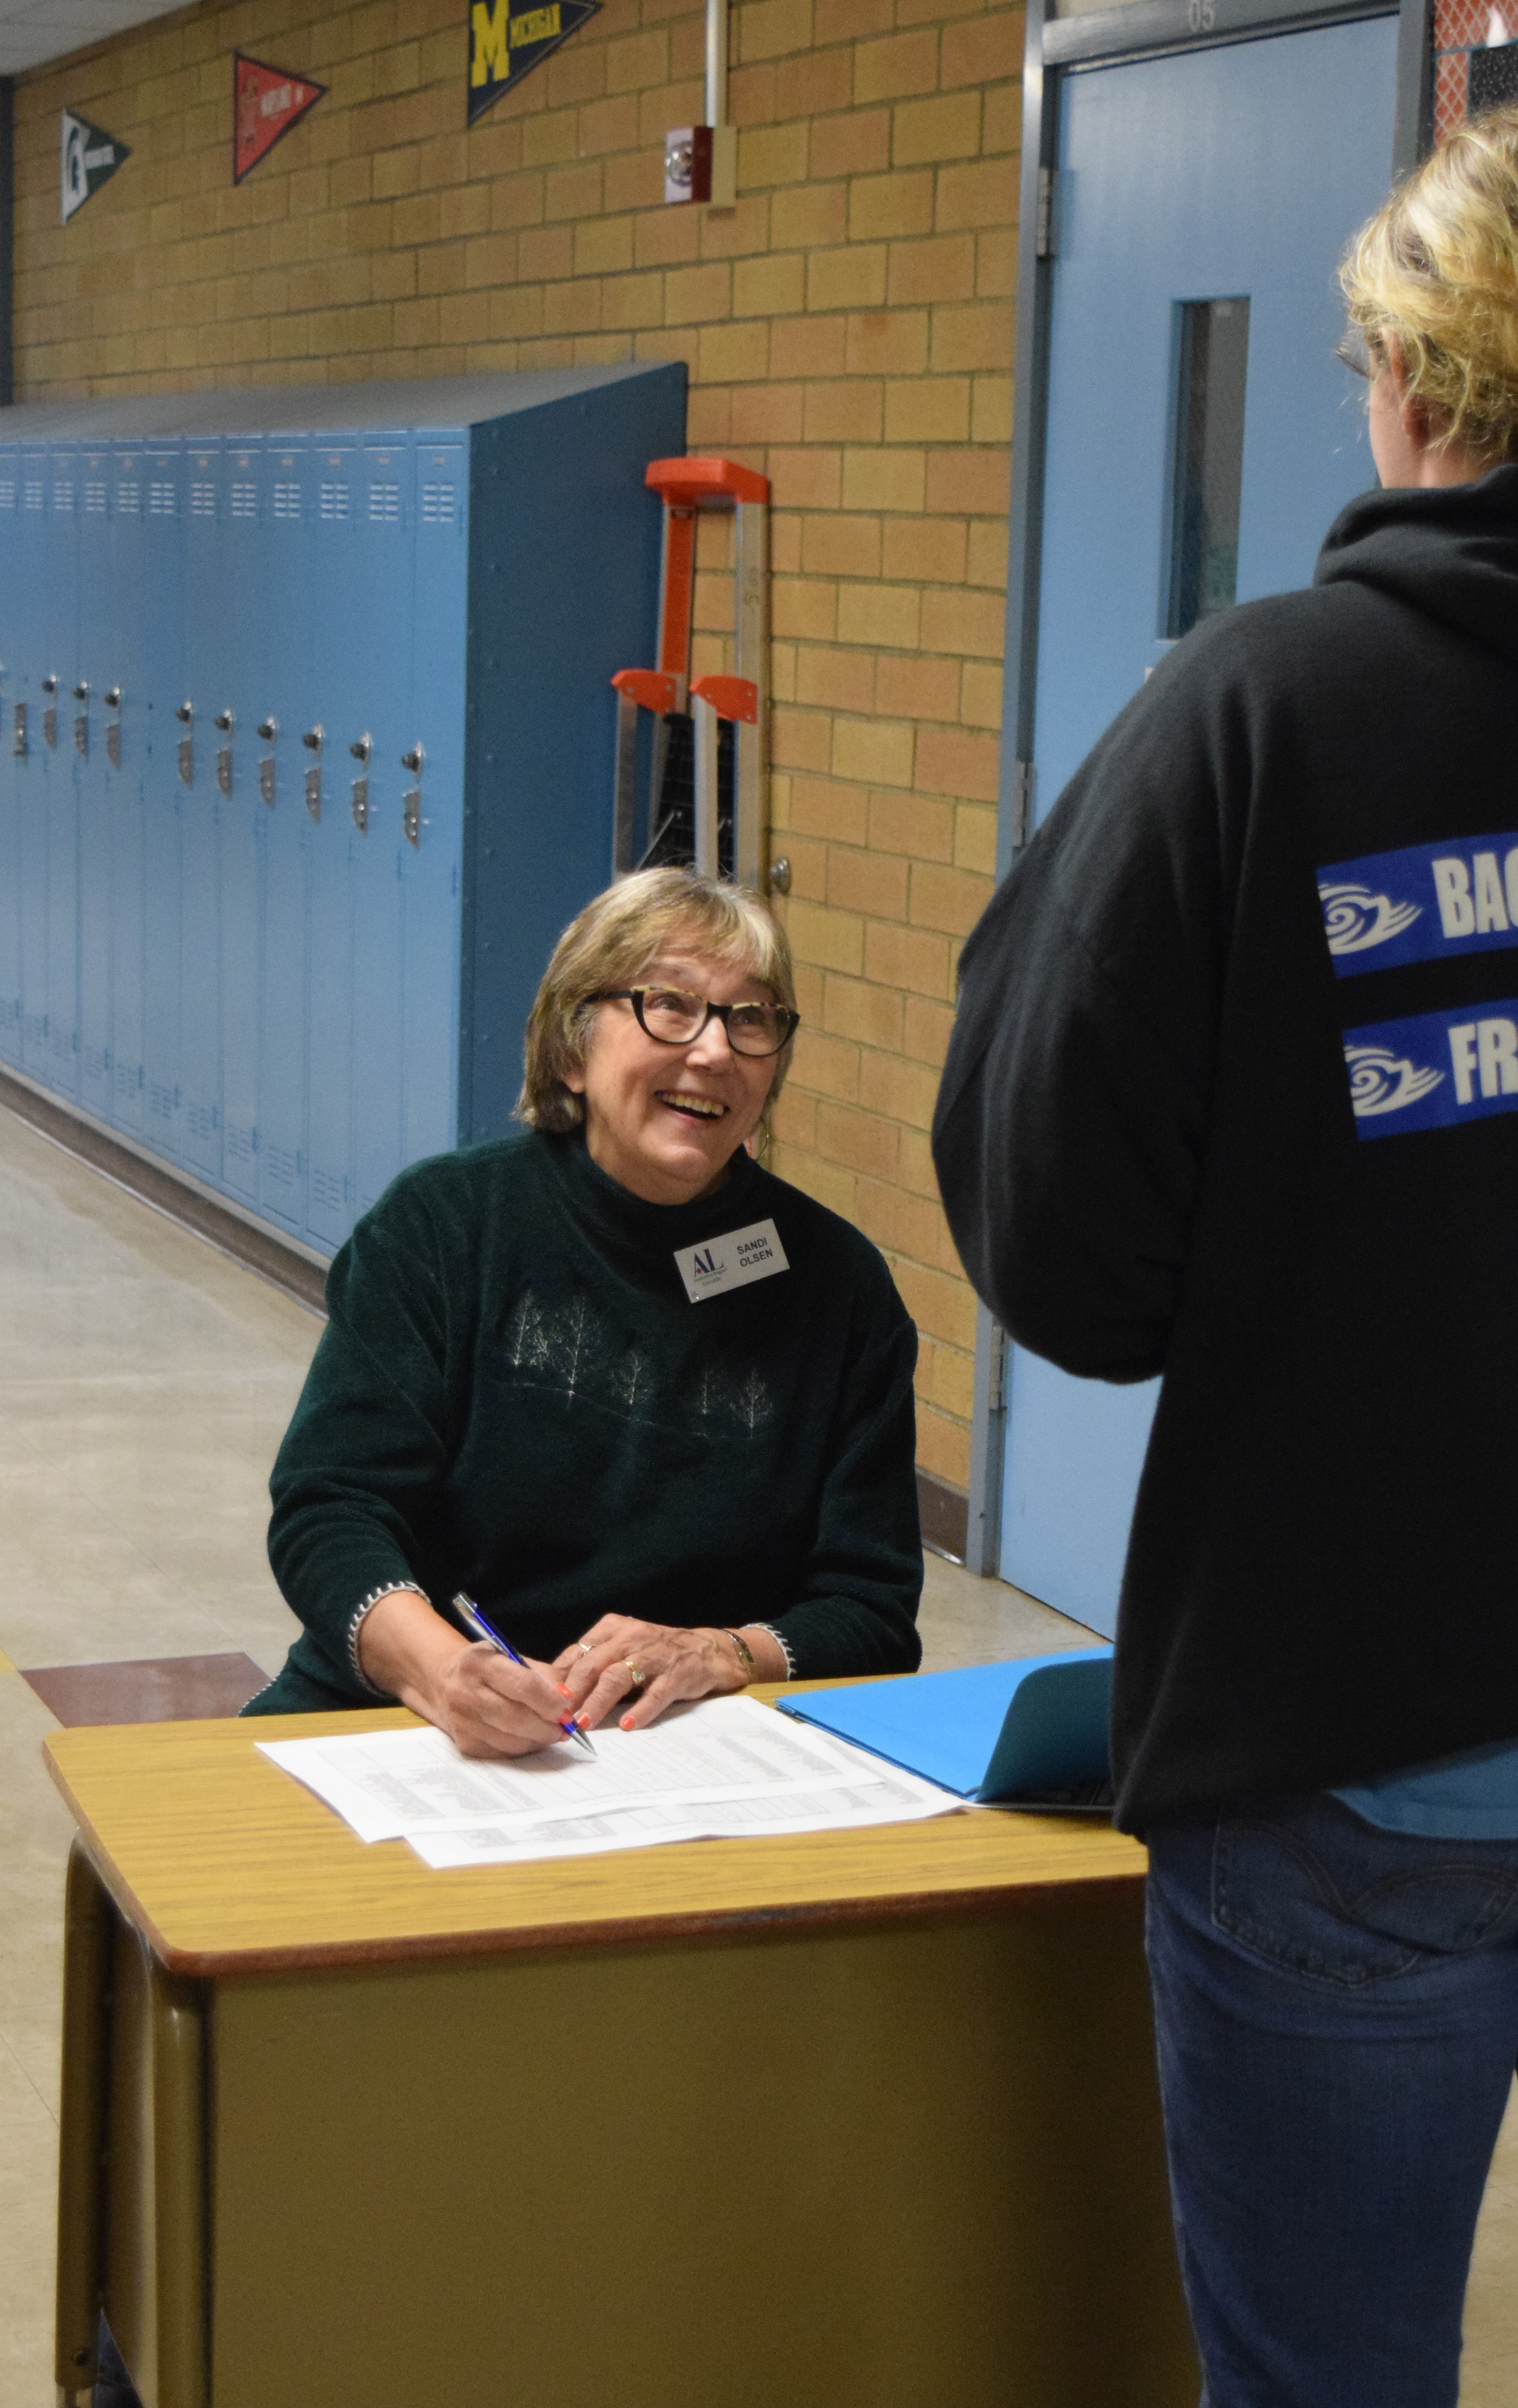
[(646, 1404)]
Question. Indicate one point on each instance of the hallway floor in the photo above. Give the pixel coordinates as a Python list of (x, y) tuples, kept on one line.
[(145, 1380)]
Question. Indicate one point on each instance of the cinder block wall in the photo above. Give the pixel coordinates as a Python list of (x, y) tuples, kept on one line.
[(848, 329)]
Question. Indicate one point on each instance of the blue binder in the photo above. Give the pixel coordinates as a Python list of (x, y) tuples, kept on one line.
[(1029, 1732)]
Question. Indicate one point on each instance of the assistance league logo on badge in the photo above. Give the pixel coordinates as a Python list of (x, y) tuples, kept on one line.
[(507, 43), (265, 103), (87, 158)]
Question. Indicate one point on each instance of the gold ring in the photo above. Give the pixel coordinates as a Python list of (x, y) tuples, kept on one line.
[(639, 1677)]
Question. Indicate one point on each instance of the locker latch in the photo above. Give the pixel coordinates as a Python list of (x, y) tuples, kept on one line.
[(267, 730), (81, 720), (18, 741), (50, 716), (412, 799), (186, 717), (359, 753), (223, 721), (113, 728), (312, 742)]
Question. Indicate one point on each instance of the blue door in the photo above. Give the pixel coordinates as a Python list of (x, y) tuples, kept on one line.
[(1201, 437)]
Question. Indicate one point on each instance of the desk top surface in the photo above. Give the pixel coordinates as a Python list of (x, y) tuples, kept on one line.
[(228, 1865)]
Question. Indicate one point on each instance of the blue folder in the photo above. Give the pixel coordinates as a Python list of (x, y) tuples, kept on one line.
[(1032, 1732)]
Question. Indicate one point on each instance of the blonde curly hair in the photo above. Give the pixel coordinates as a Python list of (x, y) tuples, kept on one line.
[(618, 937), (1434, 277)]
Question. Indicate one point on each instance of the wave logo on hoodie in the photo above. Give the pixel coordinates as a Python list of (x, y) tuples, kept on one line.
[(1433, 1070), (1421, 903), (1384, 1081), (1354, 919)]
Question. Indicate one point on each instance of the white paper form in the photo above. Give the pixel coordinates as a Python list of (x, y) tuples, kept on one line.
[(727, 1767)]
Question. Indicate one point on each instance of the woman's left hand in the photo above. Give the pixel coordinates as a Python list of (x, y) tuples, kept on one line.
[(601, 1669)]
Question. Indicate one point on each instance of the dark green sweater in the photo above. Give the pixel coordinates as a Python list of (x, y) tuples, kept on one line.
[(513, 1396)]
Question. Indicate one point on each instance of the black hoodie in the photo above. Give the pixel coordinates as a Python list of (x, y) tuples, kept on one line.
[(1232, 1094)]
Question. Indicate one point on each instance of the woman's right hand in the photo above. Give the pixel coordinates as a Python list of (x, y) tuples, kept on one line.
[(487, 1705), (492, 1707)]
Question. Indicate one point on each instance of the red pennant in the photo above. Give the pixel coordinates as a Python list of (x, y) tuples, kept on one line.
[(265, 103)]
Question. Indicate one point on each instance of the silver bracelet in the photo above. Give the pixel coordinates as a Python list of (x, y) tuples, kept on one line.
[(782, 1643), (366, 1607)]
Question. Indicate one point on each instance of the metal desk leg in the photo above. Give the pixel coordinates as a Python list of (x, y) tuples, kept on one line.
[(88, 1920)]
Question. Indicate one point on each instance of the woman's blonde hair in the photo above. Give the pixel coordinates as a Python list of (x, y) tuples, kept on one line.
[(611, 943), (1434, 276)]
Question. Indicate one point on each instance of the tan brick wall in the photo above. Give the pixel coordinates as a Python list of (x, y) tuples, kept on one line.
[(848, 329)]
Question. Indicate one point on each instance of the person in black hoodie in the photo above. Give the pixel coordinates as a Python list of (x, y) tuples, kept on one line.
[(1232, 1096)]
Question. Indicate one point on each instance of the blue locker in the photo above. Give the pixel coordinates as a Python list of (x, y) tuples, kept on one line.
[(61, 623), (293, 682), (432, 866), (312, 931), (32, 782), (126, 671), (384, 569), (98, 611), (13, 651), (164, 769), (331, 636), (200, 816), (239, 614)]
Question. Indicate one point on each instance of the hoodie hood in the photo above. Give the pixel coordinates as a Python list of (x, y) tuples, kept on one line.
[(1450, 552)]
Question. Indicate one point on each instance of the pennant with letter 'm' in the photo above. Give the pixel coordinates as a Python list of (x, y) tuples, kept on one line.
[(506, 43), (265, 103), (89, 159)]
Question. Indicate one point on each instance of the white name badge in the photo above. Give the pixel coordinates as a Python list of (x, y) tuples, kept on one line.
[(731, 1261)]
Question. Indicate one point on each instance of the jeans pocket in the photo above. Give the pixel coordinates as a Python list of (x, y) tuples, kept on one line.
[(1309, 1886)]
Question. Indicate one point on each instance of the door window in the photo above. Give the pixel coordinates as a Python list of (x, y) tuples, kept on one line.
[(1211, 360)]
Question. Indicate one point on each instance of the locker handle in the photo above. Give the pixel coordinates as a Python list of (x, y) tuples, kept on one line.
[(312, 738), (223, 721), (186, 714), (361, 749), (81, 692), (49, 686), (113, 698), (413, 760), (267, 730)]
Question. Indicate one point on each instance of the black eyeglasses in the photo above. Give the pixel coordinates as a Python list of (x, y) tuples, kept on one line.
[(671, 1015)]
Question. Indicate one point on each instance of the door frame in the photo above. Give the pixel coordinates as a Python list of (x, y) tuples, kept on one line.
[(1056, 46)]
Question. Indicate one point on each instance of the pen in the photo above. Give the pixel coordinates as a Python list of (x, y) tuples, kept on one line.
[(475, 1620)]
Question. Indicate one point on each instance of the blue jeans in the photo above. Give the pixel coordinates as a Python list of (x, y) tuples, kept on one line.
[(1337, 2017)]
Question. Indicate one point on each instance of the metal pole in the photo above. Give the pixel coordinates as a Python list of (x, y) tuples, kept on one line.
[(704, 719)]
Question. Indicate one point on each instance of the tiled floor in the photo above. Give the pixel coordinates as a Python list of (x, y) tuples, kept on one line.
[(145, 1380)]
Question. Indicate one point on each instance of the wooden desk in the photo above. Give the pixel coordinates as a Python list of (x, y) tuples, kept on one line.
[(852, 2120)]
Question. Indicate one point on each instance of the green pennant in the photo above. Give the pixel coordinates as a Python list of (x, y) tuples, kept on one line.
[(87, 158), (506, 43)]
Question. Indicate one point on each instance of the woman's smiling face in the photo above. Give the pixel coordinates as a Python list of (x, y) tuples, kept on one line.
[(665, 1121)]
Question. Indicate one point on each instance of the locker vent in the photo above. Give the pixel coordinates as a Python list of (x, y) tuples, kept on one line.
[(287, 501), (8, 492), (34, 492), (280, 1168), (333, 501), (62, 494), (129, 497), (327, 1190), (245, 501), (436, 505), (385, 504), (240, 1144), (161, 498), (94, 493), (202, 501)]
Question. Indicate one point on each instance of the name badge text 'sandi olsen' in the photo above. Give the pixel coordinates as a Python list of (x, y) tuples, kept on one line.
[(732, 1260)]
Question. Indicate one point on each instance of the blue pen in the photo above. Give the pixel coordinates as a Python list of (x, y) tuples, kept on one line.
[(467, 1607)]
